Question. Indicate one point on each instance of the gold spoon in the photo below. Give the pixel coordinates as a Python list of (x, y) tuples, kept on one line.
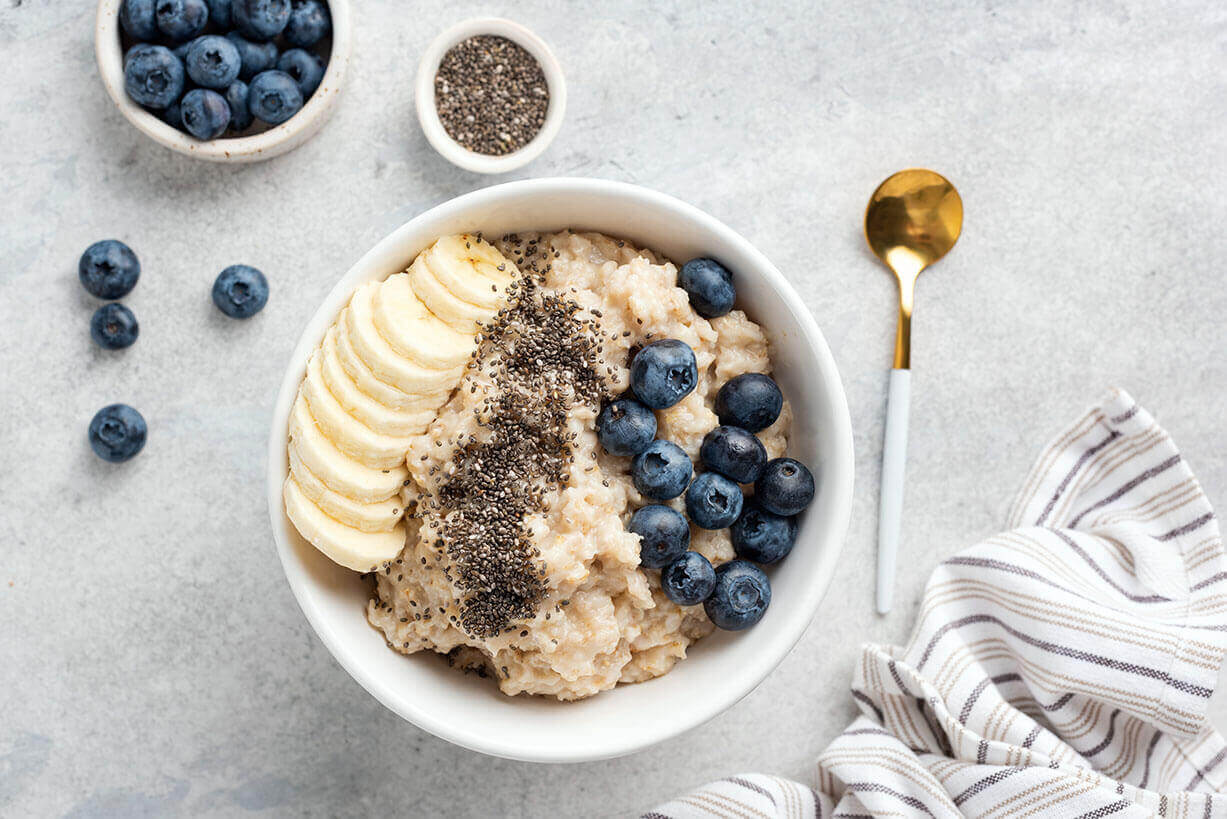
[(913, 219)]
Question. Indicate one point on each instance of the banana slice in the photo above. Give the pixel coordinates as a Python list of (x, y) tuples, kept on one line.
[(350, 435), (370, 384), (339, 472), (352, 548), (380, 516), (471, 269), (457, 312), (358, 323), (415, 332), (375, 415)]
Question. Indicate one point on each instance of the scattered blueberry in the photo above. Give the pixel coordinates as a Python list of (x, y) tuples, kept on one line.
[(240, 291), (260, 19), (212, 62), (113, 327), (240, 112), (663, 533), (709, 285), (306, 69), (137, 19), (205, 113), (625, 427), (751, 401), (117, 432), (219, 13), (663, 373), (108, 269), (741, 596), (254, 56), (661, 471), (763, 536), (308, 24), (689, 580), (786, 487), (274, 97), (153, 76), (734, 453), (181, 19), (713, 501)]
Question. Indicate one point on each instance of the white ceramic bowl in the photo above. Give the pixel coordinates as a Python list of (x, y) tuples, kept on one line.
[(275, 141), (428, 114), (720, 669)]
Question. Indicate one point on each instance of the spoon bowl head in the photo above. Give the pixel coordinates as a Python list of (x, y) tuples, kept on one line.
[(913, 219)]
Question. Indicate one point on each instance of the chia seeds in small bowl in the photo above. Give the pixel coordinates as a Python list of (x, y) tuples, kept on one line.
[(490, 95)]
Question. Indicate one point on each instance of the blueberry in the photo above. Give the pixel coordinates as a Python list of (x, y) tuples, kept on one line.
[(255, 57), (785, 487), (219, 13), (117, 432), (260, 19), (308, 24), (306, 69), (751, 401), (240, 112), (153, 76), (240, 291), (108, 269), (181, 20), (734, 453), (274, 97), (740, 598), (212, 62), (205, 113), (713, 501), (663, 535), (172, 115), (137, 19), (625, 427), (763, 536), (709, 285), (663, 373), (113, 327), (661, 471), (689, 580)]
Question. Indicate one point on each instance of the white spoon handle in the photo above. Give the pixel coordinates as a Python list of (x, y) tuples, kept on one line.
[(894, 458)]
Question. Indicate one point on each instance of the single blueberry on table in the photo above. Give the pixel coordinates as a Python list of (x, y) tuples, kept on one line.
[(181, 20), (625, 427), (137, 19), (709, 285), (689, 580), (663, 535), (786, 487), (274, 97), (751, 401), (205, 113), (763, 536), (108, 269), (212, 62), (661, 471), (117, 432), (713, 501), (663, 373), (240, 291), (734, 453), (153, 76), (219, 14), (740, 598), (240, 112), (254, 56), (308, 24), (113, 327), (260, 19), (306, 69)]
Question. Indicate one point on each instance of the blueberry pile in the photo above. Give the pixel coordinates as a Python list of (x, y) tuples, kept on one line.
[(763, 525), (211, 66)]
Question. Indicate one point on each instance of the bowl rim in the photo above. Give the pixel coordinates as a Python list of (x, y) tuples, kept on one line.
[(255, 148), (428, 115), (840, 466)]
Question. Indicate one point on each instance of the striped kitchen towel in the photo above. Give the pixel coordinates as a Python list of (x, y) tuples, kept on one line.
[(1061, 668)]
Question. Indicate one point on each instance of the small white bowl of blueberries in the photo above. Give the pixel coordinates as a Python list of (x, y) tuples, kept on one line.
[(224, 80)]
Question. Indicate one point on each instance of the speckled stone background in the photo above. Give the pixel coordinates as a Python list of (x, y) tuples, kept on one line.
[(152, 659)]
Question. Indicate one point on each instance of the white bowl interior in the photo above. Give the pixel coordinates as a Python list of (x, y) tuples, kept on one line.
[(720, 669)]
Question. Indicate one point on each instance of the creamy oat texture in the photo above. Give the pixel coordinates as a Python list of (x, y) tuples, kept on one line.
[(603, 620)]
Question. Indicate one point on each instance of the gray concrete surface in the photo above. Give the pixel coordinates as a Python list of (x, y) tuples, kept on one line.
[(152, 660)]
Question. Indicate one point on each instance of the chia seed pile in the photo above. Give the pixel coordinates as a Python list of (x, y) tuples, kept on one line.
[(491, 95)]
